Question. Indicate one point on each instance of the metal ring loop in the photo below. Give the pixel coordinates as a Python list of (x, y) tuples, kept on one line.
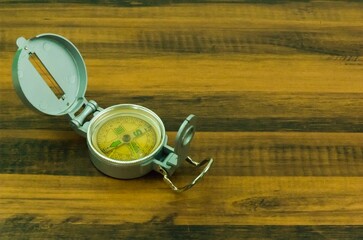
[(167, 180)]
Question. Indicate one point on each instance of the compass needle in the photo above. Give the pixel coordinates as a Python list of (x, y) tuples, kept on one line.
[(115, 143)]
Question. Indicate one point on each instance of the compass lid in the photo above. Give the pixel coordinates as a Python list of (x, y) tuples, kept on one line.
[(49, 74)]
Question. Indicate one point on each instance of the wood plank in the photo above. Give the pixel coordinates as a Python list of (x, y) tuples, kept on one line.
[(238, 72), (288, 47), (242, 111), (30, 225), (235, 153), (237, 200)]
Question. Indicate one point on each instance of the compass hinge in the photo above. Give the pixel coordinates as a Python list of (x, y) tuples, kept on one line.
[(80, 122)]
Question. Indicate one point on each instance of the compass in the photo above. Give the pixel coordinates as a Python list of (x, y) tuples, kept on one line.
[(128, 133), (126, 140)]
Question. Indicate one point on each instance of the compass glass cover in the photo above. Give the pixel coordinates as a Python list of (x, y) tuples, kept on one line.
[(127, 135)]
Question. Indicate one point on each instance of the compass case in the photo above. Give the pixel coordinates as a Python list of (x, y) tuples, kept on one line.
[(125, 169)]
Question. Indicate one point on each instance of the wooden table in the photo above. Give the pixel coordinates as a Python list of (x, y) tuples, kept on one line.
[(278, 90)]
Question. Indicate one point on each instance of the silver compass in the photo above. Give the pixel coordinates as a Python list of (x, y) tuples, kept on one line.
[(126, 140)]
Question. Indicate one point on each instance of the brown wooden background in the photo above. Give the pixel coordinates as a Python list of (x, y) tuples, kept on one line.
[(278, 90)]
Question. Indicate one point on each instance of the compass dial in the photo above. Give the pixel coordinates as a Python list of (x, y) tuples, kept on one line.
[(126, 138), (127, 135)]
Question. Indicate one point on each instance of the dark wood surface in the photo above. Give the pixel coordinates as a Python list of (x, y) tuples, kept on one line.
[(278, 90)]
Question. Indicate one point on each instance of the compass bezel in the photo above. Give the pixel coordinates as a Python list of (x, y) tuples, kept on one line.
[(110, 113)]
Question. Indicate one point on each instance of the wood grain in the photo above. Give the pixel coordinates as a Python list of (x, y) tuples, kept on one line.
[(246, 200), (237, 153), (218, 111), (277, 88)]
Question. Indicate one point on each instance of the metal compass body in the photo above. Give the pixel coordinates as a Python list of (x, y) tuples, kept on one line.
[(126, 140)]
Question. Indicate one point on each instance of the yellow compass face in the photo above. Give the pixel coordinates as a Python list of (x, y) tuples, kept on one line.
[(127, 138)]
